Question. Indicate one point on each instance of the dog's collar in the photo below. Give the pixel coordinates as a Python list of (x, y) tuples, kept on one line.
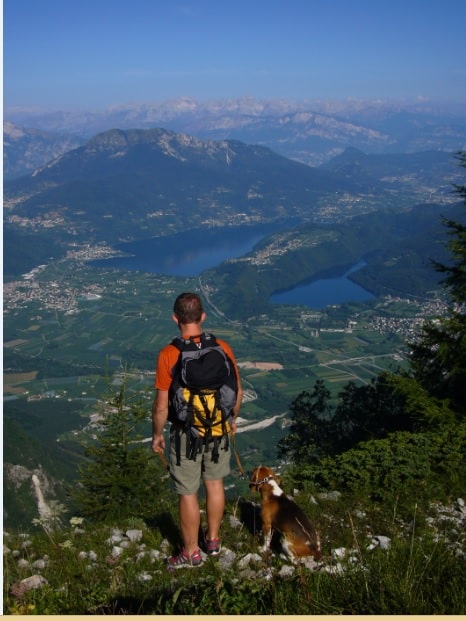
[(262, 481)]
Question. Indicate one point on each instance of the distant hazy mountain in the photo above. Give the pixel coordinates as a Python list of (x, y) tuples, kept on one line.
[(309, 132), (25, 149)]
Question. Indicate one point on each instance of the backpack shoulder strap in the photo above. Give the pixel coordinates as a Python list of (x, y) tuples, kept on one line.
[(183, 344), (207, 340)]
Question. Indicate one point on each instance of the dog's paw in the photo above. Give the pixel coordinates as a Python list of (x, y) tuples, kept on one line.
[(266, 552)]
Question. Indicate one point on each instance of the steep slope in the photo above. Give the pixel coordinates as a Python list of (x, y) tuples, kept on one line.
[(25, 149)]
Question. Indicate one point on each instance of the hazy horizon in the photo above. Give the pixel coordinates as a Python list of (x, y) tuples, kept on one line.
[(93, 55)]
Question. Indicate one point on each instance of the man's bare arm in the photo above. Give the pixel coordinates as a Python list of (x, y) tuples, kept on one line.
[(159, 418)]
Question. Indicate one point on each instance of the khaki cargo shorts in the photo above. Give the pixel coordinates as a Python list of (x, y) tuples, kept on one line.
[(188, 475)]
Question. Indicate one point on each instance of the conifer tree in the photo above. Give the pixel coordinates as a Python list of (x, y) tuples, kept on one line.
[(438, 357), (306, 437), (121, 476)]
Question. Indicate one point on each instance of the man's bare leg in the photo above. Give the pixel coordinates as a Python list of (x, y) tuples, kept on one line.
[(189, 522), (215, 505)]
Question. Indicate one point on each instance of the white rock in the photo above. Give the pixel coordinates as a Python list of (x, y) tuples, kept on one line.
[(165, 546), (266, 574), (115, 538), (226, 559), (381, 541), (335, 569), (310, 563), (330, 495), (249, 558), (234, 522), (134, 535), (34, 582), (118, 532), (116, 551), (338, 553), (155, 555)]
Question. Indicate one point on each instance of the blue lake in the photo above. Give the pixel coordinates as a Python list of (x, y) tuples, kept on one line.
[(324, 292), (189, 254)]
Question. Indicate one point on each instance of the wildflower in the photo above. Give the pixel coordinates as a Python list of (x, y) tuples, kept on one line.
[(66, 545), (76, 521), (22, 609)]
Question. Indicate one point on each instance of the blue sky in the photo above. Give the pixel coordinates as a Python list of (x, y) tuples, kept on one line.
[(96, 53)]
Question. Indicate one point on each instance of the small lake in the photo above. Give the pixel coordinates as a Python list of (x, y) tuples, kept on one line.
[(191, 253), (326, 291)]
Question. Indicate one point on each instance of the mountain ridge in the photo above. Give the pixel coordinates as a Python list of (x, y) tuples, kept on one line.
[(153, 178), (308, 131)]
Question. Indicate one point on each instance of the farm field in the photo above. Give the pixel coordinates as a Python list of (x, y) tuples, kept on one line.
[(55, 358)]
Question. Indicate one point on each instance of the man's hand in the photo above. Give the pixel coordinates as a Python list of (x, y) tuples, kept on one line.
[(158, 443)]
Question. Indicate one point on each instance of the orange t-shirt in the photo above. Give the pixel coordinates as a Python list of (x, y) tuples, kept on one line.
[(168, 358)]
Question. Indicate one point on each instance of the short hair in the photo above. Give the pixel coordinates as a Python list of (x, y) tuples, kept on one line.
[(188, 308)]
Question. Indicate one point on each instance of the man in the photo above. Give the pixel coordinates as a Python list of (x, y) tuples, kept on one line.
[(187, 474)]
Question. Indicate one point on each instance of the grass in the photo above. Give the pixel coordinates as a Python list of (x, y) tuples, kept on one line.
[(419, 573)]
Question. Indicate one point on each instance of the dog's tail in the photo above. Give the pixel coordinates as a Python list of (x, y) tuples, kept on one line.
[(316, 549), (314, 540)]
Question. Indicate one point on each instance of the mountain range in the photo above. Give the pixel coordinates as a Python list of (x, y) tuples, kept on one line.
[(127, 185), (309, 132)]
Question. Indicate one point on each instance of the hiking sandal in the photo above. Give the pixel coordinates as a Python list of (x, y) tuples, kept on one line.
[(184, 560)]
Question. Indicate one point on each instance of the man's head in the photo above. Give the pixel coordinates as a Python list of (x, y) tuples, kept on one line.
[(188, 309)]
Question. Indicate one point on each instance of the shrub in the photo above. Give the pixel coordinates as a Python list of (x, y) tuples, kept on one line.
[(403, 465)]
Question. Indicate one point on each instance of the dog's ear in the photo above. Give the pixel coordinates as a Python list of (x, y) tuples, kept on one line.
[(252, 479)]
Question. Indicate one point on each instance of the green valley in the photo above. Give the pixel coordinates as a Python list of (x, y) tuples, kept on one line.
[(73, 330), (70, 331)]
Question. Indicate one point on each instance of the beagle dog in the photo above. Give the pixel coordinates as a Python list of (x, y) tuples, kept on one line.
[(280, 513)]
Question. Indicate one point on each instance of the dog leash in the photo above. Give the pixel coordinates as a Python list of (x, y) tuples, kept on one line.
[(238, 461), (162, 459)]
